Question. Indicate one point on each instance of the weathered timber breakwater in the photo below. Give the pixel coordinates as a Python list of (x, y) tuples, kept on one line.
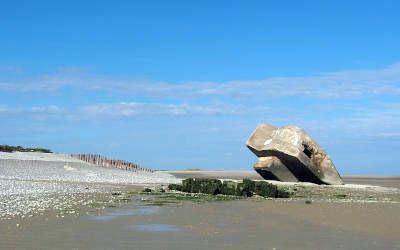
[(106, 162)]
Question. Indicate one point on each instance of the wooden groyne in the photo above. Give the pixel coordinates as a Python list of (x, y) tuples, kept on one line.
[(106, 162)]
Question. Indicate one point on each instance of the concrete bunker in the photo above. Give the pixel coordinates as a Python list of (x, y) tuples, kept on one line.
[(290, 154)]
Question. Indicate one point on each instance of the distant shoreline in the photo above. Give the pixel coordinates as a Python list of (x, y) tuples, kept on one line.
[(384, 181), (366, 176), (252, 171)]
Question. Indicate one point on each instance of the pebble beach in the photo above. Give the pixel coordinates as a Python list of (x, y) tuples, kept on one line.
[(31, 183)]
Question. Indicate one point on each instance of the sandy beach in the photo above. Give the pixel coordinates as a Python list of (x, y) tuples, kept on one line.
[(53, 202), (246, 224)]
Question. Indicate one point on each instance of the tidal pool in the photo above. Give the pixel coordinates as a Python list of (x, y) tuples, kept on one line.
[(156, 227), (126, 212)]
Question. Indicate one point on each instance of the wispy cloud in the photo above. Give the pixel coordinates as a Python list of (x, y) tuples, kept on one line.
[(341, 84), (50, 110), (133, 109), (9, 68), (334, 113), (380, 120)]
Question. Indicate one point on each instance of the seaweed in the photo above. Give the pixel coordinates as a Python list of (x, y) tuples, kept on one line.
[(266, 189), (187, 185), (246, 188), (200, 185), (176, 187), (228, 188), (340, 196)]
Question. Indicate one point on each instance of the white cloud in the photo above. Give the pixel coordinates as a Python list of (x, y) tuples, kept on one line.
[(381, 121), (239, 98), (52, 109), (129, 109), (339, 84)]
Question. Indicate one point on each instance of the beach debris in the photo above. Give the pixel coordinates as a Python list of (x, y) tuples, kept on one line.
[(290, 154), (68, 168)]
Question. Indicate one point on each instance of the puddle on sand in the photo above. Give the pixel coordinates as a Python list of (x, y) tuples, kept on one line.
[(126, 212), (155, 227)]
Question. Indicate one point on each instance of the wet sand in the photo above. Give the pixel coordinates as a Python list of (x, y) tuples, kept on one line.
[(244, 224)]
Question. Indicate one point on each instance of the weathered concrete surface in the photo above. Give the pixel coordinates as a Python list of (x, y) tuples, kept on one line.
[(260, 135), (271, 168), (295, 152)]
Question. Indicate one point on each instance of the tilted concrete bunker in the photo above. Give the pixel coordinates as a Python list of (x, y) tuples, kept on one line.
[(290, 154)]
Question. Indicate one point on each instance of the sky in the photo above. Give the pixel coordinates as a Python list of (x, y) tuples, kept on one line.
[(182, 84)]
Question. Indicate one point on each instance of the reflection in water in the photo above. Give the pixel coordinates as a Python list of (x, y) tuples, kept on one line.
[(156, 227), (126, 212)]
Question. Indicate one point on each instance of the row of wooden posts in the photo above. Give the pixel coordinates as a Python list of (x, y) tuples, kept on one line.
[(106, 162)]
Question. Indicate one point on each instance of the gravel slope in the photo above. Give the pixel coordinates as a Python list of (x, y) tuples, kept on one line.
[(57, 167), (32, 182)]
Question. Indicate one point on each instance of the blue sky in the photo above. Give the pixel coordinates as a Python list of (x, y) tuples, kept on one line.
[(181, 84)]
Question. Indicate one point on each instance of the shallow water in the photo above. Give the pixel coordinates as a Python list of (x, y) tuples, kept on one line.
[(125, 212), (155, 228), (238, 225)]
